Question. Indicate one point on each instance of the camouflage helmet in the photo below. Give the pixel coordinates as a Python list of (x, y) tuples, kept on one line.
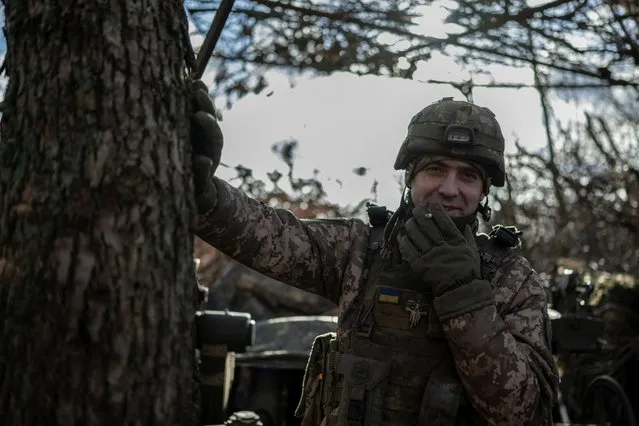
[(457, 129)]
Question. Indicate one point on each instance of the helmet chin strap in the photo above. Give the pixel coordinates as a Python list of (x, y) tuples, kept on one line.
[(485, 211), (397, 219)]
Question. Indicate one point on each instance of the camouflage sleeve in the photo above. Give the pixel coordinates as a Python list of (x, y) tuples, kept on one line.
[(502, 351), (313, 255)]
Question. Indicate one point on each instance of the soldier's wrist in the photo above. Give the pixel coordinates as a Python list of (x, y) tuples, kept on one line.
[(462, 299)]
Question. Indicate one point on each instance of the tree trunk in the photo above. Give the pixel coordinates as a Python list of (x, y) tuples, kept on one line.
[(96, 270)]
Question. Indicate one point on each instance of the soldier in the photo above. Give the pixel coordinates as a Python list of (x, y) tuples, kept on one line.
[(437, 325)]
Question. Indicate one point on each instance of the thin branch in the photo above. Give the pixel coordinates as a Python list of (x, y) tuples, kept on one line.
[(612, 162), (542, 85), (545, 108)]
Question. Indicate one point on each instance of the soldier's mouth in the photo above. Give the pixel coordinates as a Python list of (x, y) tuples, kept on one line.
[(451, 209)]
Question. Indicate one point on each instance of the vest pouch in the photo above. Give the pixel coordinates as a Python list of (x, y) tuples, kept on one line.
[(442, 398), (309, 407), (364, 382)]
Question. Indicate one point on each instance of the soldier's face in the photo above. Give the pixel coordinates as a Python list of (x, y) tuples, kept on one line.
[(457, 185)]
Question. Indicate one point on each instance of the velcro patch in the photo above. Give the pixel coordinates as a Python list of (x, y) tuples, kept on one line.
[(388, 295)]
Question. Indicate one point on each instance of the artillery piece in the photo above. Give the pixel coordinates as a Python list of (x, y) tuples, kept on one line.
[(591, 391), (253, 370)]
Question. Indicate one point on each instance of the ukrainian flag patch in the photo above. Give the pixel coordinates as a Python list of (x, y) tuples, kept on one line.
[(388, 295)]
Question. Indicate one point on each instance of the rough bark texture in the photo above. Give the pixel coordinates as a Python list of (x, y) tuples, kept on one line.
[(96, 272)]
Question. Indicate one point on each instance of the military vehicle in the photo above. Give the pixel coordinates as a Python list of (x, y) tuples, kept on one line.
[(597, 350), (251, 372)]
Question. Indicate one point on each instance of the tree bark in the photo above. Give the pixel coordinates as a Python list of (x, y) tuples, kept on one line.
[(96, 270)]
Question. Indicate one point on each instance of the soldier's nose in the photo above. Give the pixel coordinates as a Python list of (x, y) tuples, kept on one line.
[(448, 187)]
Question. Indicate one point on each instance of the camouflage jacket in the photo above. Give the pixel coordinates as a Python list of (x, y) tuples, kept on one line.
[(501, 351)]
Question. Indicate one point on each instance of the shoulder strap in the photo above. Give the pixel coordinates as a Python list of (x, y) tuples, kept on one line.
[(378, 217), (495, 246)]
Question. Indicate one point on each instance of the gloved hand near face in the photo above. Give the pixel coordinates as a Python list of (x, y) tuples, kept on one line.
[(447, 261), (206, 143)]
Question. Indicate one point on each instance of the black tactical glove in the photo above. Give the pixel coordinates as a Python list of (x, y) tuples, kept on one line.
[(206, 143), (447, 261)]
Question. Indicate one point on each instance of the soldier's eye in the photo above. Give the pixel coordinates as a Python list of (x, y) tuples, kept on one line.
[(434, 168), (470, 175)]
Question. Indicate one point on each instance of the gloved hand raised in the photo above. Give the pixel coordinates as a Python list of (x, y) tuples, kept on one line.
[(206, 143), (446, 259)]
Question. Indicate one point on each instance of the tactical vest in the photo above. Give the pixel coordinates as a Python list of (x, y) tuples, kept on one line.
[(395, 366)]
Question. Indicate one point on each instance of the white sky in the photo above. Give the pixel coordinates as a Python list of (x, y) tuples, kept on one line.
[(344, 121)]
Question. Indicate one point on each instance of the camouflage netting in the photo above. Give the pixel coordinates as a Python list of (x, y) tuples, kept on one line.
[(235, 287)]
